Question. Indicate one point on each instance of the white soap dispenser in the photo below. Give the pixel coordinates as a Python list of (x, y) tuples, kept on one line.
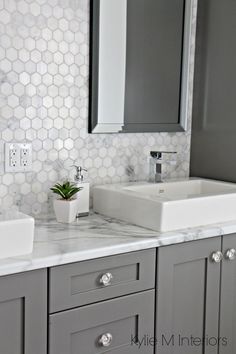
[(83, 195)]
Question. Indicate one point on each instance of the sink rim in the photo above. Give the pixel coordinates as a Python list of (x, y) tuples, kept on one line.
[(126, 190), (14, 216), (170, 198)]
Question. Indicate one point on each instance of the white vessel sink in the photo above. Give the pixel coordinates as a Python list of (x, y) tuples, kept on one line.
[(16, 234), (168, 206)]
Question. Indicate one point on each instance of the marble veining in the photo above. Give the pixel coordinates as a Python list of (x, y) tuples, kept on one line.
[(97, 236)]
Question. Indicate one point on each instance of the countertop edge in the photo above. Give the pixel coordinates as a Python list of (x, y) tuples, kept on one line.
[(51, 252)]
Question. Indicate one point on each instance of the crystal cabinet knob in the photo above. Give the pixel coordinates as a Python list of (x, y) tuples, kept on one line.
[(105, 340), (217, 257), (230, 254), (106, 279)]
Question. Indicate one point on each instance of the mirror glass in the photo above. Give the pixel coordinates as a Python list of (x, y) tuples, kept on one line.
[(139, 65)]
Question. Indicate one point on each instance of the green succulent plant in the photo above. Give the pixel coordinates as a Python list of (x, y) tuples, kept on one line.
[(67, 190)]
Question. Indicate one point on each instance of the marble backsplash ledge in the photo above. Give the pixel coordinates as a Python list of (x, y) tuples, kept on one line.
[(44, 67)]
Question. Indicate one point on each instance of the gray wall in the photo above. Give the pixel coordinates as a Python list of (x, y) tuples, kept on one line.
[(214, 108)]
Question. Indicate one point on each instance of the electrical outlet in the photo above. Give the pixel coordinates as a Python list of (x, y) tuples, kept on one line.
[(18, 157), (13, 152), (13, 162), (26, 157)]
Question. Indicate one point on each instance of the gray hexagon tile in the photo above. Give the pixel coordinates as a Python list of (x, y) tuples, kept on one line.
[(44, 56)]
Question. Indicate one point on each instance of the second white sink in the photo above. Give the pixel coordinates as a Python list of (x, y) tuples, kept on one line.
[(16, 234), (168, 206)]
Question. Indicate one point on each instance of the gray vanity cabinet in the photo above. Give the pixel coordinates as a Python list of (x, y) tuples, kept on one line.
[(115, 305), (188, 294), (23, 313), (228, 297)]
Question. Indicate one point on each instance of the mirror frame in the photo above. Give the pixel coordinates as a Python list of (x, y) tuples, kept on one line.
[(94, 126)]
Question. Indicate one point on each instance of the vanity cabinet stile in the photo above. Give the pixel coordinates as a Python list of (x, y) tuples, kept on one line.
[(188, 297), (227, 323), (23, 313)]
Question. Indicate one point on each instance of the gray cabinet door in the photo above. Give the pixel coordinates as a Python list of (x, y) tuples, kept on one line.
[(23, 313), (122, 320), (188, 291), (228, 300)]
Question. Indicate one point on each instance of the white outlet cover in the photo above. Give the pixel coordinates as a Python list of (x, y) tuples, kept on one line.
[(18, 157)]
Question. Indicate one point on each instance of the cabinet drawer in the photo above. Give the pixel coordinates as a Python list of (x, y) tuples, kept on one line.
[(88, 282), (116, 322)]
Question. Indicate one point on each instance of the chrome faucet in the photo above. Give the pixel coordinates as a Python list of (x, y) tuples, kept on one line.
[(157, 159)]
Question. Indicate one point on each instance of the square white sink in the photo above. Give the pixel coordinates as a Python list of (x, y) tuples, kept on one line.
[(16, 234), (168, 206)]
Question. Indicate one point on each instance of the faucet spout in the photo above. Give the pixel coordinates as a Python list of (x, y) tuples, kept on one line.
[(157, 159)]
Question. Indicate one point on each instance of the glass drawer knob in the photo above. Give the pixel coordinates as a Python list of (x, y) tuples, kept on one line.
[(106, 279), (217, 257), (105, 340), (230, 254)]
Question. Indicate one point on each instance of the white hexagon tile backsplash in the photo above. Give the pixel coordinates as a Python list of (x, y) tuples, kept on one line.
[(44, 66)]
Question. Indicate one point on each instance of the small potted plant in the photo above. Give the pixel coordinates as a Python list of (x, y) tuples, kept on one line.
[(66, 208)]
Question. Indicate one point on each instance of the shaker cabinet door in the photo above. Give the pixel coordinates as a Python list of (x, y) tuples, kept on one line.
[(23, 313), (228, 297), (111, 326), (188, 288)]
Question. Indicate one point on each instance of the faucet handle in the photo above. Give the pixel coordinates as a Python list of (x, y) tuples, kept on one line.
[(159, 154)]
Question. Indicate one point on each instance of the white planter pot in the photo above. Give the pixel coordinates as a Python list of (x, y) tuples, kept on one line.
[(66, 211)]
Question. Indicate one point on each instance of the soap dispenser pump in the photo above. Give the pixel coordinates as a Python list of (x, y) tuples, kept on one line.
[(83, 195)]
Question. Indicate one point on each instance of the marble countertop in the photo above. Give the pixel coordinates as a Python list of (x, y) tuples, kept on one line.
[(97, 236)]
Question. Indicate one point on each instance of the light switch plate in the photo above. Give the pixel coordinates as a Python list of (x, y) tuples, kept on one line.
[(18, 157)]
